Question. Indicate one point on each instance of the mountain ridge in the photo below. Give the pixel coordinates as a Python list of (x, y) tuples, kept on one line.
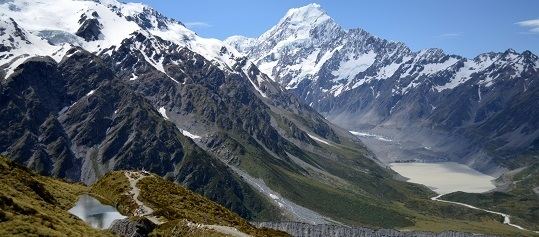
[(172, 103), (366, 83)]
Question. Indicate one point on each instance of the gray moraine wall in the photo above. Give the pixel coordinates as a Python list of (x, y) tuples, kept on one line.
[(297, 229)]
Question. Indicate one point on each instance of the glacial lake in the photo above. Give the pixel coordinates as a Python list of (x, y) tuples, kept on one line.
[(445, 177), (94, 213)]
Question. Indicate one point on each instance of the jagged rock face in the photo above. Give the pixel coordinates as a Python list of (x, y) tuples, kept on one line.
[(76, 120), (90, 28), (217, 98), (132, 228), (11, 35), (308, 230), (363, 82)]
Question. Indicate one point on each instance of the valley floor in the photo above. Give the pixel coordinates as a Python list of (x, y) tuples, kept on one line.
[(461, 185)]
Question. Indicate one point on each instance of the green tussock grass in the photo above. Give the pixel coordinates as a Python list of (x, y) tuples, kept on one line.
[(175, 204), (112, 189), (33, 205), (180, 228)]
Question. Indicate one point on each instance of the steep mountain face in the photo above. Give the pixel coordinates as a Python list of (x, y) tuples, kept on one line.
[(117, 86), (480, 107), (75, 120)]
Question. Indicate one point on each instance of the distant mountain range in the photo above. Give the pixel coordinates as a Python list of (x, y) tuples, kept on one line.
[(481, 111), (89, 87)]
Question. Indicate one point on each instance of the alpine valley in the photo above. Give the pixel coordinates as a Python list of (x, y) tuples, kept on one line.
[(120, 102), (482, 111)]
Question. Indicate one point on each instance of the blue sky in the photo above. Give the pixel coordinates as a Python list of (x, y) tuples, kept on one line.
[(464, 27)]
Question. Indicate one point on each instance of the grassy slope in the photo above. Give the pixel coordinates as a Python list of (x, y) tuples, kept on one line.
[(258, 204), (36, 205), (174, 203), (520, 202), (33, 205)]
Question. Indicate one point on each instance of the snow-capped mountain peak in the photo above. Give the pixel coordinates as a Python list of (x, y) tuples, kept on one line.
[(98, 26), (301, 23), (364, 81), (307, 27), (307, 48), (306, 16)]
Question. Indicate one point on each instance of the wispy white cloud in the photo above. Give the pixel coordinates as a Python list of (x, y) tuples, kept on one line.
[(450, 35), (197, 24), (532, 25)]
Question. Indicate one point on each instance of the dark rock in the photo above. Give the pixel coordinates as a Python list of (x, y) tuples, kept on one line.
[(139, 227), (90, 30), (81, 114)]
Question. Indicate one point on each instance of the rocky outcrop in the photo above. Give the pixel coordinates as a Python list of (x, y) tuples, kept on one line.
[(90, 28), (132, 227), (297, 229)]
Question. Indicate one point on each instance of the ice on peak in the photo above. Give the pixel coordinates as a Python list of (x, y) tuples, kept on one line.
[(237, 38), (510, 55), (313, 7), (61, 17), (306, 15), (127, 9), (241, 43), (428, 54), (485, 56)]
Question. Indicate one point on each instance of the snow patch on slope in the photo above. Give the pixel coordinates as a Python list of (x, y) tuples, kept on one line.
[(389, 70), (190, 135), (433, 68), (319, 139), (349, 68), (64, 15), (310, 65), (60, 19), (365, 134), (22, 44), (163, 112)]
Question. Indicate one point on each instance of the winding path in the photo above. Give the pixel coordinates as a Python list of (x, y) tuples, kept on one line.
[(146, 211), (142, 209), (506, 217)]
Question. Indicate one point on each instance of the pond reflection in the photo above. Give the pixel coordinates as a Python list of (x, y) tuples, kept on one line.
[(94, 213)]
